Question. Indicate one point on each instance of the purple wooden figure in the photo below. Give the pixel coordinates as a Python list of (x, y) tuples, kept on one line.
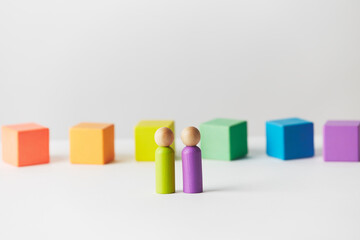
[(191, 161)]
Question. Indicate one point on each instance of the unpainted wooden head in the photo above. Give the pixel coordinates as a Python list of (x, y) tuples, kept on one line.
[(190, 136), (164, 137)]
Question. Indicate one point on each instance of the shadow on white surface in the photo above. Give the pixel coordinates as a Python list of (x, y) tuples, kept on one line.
[(123, 158), (58, 158)]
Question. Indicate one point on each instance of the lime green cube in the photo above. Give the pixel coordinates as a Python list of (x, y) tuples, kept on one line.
[(224, 139)]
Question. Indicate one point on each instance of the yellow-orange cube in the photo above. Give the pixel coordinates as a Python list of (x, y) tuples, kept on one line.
[(92, 143), (25, 144)]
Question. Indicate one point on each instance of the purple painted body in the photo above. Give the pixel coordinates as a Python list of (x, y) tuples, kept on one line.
[(341, 141), (192, 170)]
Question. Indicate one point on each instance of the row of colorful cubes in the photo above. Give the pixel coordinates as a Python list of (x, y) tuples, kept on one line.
[(222, 139)]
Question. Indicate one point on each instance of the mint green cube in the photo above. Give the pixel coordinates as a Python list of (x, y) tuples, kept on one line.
[(224, 139)]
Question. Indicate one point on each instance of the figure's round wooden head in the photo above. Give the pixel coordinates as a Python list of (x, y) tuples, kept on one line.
[(164, 137), (190, 136)]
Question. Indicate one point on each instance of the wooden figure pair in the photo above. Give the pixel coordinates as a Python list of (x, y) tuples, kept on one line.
[(165, 161)]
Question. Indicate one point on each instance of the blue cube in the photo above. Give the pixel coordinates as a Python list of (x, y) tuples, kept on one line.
[(290, 138)]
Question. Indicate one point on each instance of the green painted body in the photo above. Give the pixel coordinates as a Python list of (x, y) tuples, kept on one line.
[(165, 170), (224, 139)]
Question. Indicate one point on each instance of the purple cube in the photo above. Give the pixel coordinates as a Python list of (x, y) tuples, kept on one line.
[(341, 141)]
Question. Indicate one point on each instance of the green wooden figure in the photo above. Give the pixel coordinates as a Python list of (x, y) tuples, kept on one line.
[(164, 161)]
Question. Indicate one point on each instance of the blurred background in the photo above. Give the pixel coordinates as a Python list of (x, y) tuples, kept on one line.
[(63, 62)]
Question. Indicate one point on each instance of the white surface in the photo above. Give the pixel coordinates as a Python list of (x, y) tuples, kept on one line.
[(62, 62), (255, 198)]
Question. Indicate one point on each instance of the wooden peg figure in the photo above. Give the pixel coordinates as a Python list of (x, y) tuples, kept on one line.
[(191, 161), (164, 161)]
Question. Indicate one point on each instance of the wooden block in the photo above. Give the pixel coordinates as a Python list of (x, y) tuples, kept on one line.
[(145, 145), (290, 138), (92, 143), (224, 139), (341, 141), (25, 144)]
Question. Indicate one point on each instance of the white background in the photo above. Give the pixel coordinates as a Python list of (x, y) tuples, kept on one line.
[(63, 62)]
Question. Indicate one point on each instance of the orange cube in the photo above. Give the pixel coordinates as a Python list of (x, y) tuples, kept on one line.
[(92, 143), (25, 144)]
